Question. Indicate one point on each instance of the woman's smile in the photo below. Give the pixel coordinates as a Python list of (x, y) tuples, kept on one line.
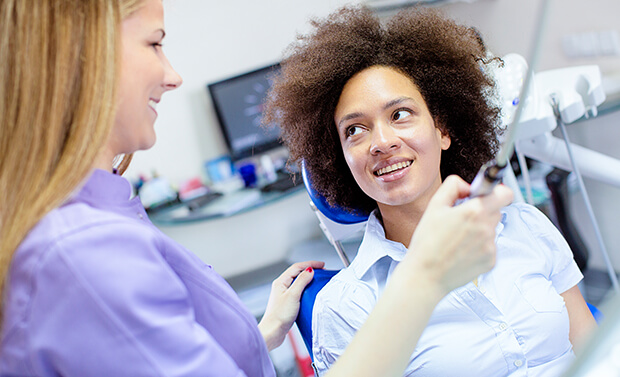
[(393, 168)]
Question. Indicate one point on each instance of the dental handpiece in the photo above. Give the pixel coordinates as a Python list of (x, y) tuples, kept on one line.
[(491, 173)]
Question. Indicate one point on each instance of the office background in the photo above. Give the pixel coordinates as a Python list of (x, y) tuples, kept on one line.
[(209, 40)]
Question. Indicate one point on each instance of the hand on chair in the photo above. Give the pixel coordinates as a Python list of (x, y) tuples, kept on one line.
[(283, 304)]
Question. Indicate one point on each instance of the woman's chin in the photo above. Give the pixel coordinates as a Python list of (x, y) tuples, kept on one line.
[(145, 145)]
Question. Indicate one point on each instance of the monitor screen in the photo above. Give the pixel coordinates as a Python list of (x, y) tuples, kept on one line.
[(238, 103)]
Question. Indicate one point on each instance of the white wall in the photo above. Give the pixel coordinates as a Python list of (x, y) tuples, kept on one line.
[(508, 26), (250, 240)]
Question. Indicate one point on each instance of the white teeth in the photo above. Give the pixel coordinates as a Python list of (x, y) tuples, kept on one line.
[(153, 104), (391, 168)]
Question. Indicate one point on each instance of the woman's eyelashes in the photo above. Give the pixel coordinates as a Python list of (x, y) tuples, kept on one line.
[(158, 39), (401, 114), (353, 130)]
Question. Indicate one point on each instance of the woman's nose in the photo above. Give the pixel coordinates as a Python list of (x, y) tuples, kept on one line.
[(172, 79), (383, 139)]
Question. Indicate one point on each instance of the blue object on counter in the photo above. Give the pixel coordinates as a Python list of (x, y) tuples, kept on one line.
[(219, 169), (248, 173)]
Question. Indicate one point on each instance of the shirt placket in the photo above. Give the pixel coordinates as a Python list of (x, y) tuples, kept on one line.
[(507, 339)]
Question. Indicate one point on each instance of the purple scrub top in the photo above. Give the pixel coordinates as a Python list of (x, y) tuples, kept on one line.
[(96, 290)]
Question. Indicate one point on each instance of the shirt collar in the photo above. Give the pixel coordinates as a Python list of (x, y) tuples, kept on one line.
[(375, 246), (102, 189)]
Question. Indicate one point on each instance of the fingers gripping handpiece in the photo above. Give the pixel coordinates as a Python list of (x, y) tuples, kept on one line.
[(489, 175)]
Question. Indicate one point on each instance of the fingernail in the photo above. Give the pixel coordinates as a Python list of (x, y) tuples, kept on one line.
[(309, 269)]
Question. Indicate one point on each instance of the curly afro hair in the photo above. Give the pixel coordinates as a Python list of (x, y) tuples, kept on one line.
[(443, 59)]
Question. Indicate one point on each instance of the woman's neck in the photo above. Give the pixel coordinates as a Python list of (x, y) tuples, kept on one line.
[(399, 222), (104, 161)]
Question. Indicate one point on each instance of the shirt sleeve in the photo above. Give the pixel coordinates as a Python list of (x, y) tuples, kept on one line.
[(339, 311), (106, 303), (565, 273)]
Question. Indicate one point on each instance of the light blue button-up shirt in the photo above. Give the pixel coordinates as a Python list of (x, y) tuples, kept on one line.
[(514, 323), (96, 290)]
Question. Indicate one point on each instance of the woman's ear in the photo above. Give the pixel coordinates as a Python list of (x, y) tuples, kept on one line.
[(445, 140), (444, 134)]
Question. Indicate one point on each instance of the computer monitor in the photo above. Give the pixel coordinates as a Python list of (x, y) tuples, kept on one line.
[(238, 103)]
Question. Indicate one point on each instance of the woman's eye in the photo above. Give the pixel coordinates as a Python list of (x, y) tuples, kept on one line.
[(156, 45), (400, 114), (353, 130)]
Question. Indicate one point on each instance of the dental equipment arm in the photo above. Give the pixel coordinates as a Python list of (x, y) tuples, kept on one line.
[(552, 150), (491, 173), (578, 92)]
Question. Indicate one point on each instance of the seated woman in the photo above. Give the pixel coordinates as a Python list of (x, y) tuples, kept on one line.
[(381, 115)]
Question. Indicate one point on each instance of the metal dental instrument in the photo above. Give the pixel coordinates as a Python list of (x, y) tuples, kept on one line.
[(582, 188), (491, 173)]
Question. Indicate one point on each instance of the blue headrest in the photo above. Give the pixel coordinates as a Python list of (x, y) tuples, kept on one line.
[(337, 213)]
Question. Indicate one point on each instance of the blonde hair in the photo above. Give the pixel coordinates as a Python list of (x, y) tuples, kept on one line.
[(57, 104)]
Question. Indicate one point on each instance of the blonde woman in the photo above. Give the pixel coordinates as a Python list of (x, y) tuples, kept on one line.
[(90, 286)]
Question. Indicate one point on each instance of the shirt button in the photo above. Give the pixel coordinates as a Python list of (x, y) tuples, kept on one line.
[(140, 215), (518, 363), (503, 326)]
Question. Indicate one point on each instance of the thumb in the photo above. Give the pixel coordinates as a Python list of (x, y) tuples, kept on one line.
[(301, 281), (452, 189)]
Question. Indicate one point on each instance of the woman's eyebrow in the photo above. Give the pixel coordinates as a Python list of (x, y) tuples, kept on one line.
[(349, 117), (397, 101)]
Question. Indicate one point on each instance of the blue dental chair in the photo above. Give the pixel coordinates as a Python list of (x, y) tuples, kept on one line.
[(337, 224)]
